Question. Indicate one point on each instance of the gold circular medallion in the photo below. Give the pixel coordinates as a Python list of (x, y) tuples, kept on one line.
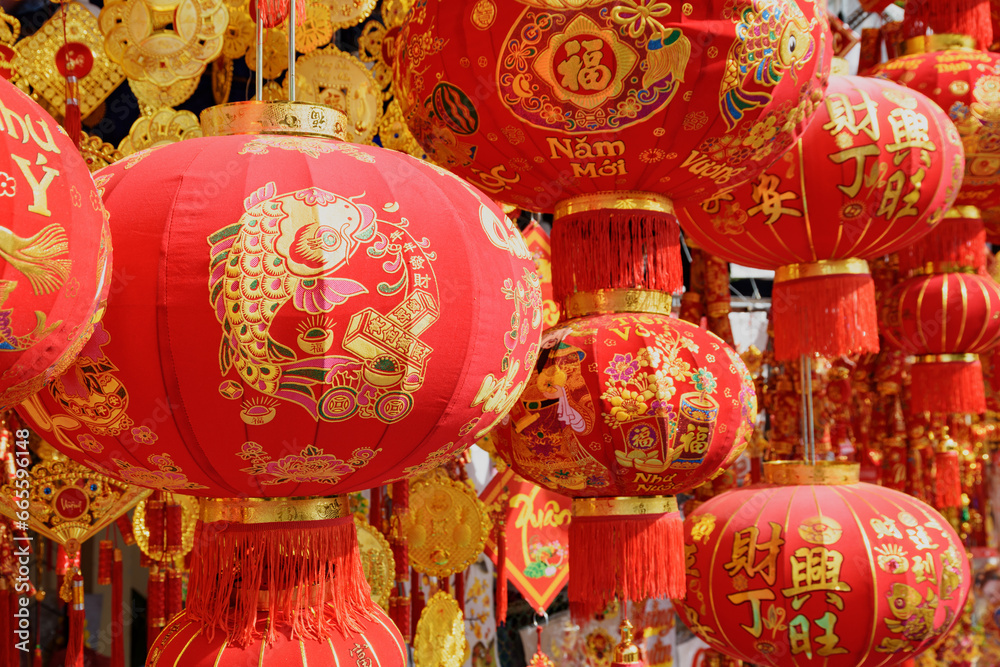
[(440, 637), (165, 126), (332, 77), (377, 560), (348, 13), (222, 79), (239, 35), (153, 98), (275, 54), (315, 31), (97, 153), (446, 526), (189, 519)]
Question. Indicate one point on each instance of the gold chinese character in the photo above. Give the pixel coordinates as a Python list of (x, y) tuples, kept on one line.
[(798, 636), (695, 439), (690, 558), (815, 569), (909, 130), (584, 69), (828, 640), (770, 201), (755, 598), (860, 155), (893, 193), (924, 568), (861, 117), (745, 548), (920, 538), (885, 526)]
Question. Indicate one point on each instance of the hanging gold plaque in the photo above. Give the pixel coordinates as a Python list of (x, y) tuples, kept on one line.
[(222, 79), (35, 63), (275, 54), (347, 13), (377, 560), (446, 526), (440, 637), (189, 519), (337, 79), (153, 98), (163, 41), (97, 153), (166, 126)]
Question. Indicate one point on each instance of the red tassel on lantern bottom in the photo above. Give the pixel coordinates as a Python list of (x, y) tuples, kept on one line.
[(947, 383), (831, 315), (636, 556), (77, 623)]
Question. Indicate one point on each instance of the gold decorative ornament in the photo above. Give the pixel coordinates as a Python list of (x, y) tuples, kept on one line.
[(620, 300), (624, 506), (189, 519), (941, 42), (828, 267), (295, 118), (440, 637), (275, 54), (446, 526), (276, 510), (370, 51), (348, 13), (10, 28), (166, 126), (98, 153), (240, 33), (222, 79), (797, 473), (35, 63), (377, 560), (316, 31), (971, 212), (394, 12), (624, 199), (163, 41), (965, 358), (152, 98), (332, 77), (396, 135)]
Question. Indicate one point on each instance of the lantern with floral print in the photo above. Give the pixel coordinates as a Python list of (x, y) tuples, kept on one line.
[(624, 411), (55, 250), (296, 323), (818, 212), (607, 112), (819, 569)]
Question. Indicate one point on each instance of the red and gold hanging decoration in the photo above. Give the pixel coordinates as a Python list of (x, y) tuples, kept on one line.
[(823, 299), (819, 569)]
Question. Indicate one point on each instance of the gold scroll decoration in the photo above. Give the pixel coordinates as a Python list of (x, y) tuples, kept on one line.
[(440, 637), (35, 63), (377, 560), (166, 126), (332, 77), (446, 526), (98, 153)]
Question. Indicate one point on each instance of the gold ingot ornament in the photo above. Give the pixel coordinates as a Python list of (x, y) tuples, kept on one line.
[(166, 126), (332, 77), (440, 637), (446, 526), (153, 98), (163, 41), (377, 560)]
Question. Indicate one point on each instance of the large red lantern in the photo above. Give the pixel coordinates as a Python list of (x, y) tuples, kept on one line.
[(55, 252), (625, 411), (302, 317), (816, 568), (873, 173), (606, 113)]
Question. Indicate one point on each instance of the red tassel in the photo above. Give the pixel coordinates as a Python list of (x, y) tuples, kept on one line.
[(173, 533), (417, 602), (831, 315), (156, 601), (401, 553), (77, 624), (175, 594), (155, 519), (71, 119), (501, 541), (37, 660), (124, 523), (961, 17), (375, 516), (954, 243), (610, 248), (948, 481), (117, 607), (635, 556), (460, 590), (292, 564), (947, 387), (104, 560)]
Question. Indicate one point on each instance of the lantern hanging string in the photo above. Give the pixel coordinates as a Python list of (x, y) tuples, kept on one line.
[(259, 48)]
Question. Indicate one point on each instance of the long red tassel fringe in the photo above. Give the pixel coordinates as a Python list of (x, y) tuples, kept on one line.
[(947, 387), (117, 609), (298, 565), (947, 481), (954, 241), (961, 17), (615, 249), (831, 315), (640, 557), (77, 623)]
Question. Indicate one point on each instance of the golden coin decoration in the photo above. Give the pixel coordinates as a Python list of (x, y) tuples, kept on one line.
[(332, 77), (239, 35), (446, 526), (163, 41), (377, 560), (222, 79), (165, 126), (153, 98), (316, 31), (275, 54), (35, 62), (394, 12), (440, 637), (395, 134), (189, 519), (98, 153), (370, 51), (348, 13)]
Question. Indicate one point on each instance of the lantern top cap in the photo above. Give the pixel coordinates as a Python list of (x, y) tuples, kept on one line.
[(822, 473), (619, 300), (938, 42), (273, 510), (300, 119)]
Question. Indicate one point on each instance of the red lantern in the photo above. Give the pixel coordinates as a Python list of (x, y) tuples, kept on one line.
[(606, 114), (958, 243), (946, 320), (872, 174), (55, 251), (818, 569), (376, 642), (625, 411)]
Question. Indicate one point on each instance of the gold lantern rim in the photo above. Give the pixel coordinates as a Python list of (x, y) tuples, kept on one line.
[(822, 473), (300, 119)]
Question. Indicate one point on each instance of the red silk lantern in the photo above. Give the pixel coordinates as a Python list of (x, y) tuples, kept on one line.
[(818, 569), (377, 642), (55, 250), (625, 411), (605, 115), (946, 320), (958, 243), (819, 211)]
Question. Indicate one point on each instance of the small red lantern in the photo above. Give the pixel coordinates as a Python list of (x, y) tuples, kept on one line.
[(946, 320), (55, 250), (605, 114), (872, 174), (819, 569), (625, 411)]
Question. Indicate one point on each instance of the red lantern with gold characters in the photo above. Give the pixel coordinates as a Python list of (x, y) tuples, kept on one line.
[(55, 250), (873, 173), (607, 112), (818, 569), (625, 410)]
